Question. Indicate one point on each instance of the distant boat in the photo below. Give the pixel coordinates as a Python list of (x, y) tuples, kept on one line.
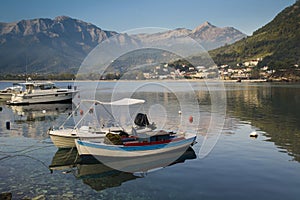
[(7, 93), (40, 92)]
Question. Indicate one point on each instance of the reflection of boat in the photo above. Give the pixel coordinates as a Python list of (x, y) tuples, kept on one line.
[(98, 175), (38, 112), (154, 162), (64, 159), (138, 153), (7, 93), (41, 92), (189, 154), (65, 137)]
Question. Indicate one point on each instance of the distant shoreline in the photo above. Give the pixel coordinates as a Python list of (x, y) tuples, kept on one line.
[(164, 80)]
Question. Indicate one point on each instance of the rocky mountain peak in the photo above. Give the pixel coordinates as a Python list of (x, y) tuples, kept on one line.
[(61, 18), (206, 23), (211, 36), (203, 26)]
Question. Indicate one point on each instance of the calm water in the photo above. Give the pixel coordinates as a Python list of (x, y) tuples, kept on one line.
[(237, 167)]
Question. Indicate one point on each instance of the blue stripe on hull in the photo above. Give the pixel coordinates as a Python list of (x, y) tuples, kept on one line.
[(135, 148)]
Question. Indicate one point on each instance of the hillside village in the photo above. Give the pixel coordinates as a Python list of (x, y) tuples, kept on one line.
[(247, 70), (243, 71)]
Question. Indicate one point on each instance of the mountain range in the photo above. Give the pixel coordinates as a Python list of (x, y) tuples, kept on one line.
[(208, 35), (45, 45), (61, 44)]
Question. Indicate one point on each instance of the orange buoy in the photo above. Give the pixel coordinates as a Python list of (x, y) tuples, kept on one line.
[(81, 112), (191, 119)]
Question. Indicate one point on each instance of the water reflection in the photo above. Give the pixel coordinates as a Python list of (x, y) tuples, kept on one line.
[(39, 112), (32, 120), (272, 108), (97, 175)]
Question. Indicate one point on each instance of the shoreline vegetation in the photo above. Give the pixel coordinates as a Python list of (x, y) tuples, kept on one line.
[(287, 76), (177, 71), (255, 75)]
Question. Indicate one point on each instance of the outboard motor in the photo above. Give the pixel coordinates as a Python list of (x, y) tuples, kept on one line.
[(141, 120)]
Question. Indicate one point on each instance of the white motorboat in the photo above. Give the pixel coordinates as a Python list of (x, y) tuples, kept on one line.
[(87, 129), (40, 92), (7, 93)]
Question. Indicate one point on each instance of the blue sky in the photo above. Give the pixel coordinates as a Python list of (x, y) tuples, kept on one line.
[(122, 15)]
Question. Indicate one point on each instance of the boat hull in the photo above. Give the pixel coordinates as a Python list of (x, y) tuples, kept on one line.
[(65, 138), (5, 96), (63, 142), (135, 159), (41, 98)]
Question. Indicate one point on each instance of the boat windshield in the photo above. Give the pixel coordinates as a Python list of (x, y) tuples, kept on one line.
[(36, 86), (46, 86)]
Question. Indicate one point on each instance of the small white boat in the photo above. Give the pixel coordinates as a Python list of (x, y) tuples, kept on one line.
[(7, 93), (133, 153), (40, 92), (65, 137), (138, 146)]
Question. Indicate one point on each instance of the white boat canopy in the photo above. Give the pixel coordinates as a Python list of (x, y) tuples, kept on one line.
[(121, 102)]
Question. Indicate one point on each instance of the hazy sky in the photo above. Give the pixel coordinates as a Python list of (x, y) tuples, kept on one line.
[(122, 15)]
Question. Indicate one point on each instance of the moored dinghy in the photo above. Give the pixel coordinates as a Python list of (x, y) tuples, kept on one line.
[(137, 153)]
